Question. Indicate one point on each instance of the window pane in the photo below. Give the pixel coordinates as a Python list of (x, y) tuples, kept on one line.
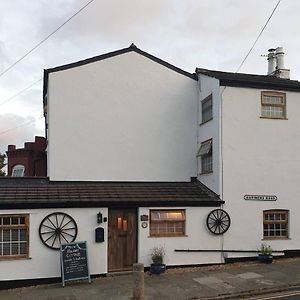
[(6, 249), (14, 234), (14, 248), (207, 109), (6, 221), (6, 235), (23, 248)]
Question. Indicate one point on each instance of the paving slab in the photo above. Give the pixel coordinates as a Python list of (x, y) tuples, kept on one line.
[(232, 281)]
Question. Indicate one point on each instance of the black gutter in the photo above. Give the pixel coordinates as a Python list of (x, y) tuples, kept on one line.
[(109, 204)]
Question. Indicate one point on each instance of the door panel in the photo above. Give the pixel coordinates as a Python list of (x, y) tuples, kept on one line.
[(122, 239)]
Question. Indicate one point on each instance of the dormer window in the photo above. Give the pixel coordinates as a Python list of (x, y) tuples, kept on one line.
[(273, 105), (18, 171)]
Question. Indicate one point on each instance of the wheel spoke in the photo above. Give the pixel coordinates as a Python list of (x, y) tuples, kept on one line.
[(68, 234), (46, 232), (66, 224), (48, 226), (64, 237), (62, 221), (49, 237), (54, 240), (56, 221), (72, 228), (51, 222)]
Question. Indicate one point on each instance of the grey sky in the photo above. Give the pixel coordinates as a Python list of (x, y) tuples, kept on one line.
[(214, 34)]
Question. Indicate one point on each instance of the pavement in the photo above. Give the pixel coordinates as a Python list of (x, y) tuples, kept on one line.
[(228, 281)]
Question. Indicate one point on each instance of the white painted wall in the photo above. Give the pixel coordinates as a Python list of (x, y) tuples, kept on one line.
[(44, 262), (261, 156), (121, 119), (197, 237), (210, 130)]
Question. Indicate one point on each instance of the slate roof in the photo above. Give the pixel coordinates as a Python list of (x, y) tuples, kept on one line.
[(251, 80), (19, 193)]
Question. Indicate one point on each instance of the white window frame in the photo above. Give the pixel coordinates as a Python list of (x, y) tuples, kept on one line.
[(18, 171)]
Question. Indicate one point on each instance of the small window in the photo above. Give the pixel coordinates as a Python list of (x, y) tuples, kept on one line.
[(14, 236), (18, 171), (167, 222), (276, 224), (273, 105), (205, 152), (207, 113)]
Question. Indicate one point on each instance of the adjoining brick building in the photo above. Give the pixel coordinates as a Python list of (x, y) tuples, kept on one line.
[(28, 161)]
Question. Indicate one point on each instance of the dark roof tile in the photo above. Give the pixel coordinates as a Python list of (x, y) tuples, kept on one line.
[(43, 193), (251, 80)]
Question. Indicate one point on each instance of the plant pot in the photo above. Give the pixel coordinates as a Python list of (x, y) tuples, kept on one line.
[(266, 259), (157, 268)]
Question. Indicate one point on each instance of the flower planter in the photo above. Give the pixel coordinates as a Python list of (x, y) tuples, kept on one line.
[(157, 268), (266, 259)]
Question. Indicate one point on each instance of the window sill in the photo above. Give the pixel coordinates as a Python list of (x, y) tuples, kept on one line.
[(206, 173), (163, 236), (274, 238), (205, 122), (272, 118), (2, 258)]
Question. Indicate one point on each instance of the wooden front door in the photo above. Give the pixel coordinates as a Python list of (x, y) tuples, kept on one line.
[(122, 239)]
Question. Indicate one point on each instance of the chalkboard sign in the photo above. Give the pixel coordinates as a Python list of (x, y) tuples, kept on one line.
[(74, 262)]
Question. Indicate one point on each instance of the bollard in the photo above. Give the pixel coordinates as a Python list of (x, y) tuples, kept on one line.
[(138, 282)]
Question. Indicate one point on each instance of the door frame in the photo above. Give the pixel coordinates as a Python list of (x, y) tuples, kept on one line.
[(136, 210)]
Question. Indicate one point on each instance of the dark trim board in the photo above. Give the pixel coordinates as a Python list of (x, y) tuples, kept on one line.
[(110, 204)]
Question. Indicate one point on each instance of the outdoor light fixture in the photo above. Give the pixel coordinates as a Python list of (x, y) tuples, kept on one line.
[(99, 217)]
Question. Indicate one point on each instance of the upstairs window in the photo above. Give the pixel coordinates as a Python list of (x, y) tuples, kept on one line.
[(273, 105), (207, 113), (276, 224), (14, 236), (205, 152), (18, 171), (167, 222)]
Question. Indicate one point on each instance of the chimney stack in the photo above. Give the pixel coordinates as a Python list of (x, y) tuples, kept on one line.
[(276, 63), (271, 61)]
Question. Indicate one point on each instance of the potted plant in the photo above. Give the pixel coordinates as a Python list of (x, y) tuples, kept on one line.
[(265, 255), (157, 255)]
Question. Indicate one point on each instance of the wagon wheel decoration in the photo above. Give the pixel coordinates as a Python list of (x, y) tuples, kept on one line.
[(57, 228), (218, 221)]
